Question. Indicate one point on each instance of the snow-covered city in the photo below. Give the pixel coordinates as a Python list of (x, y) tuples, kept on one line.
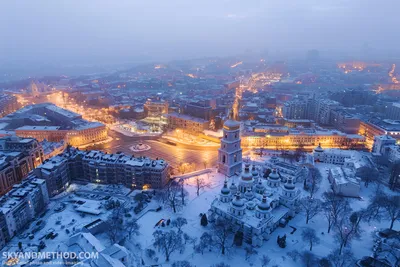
[(223, 133)]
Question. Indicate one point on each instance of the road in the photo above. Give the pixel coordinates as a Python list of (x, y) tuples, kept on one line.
[(173, 154)]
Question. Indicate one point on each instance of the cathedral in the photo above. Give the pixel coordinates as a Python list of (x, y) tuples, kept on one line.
[(230, 152), (256, 205)]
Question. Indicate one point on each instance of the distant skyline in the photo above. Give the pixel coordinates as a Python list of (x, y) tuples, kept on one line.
[(123, 31)]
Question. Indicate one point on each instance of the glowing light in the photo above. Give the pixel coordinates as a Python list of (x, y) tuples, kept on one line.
[(237, 64)]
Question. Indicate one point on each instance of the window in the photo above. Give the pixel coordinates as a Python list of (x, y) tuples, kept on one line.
[(223, 159), (235, 157)]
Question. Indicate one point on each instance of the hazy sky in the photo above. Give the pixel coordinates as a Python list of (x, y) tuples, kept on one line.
[(87, 31)]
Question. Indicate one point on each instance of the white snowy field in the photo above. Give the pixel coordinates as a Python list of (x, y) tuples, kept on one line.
[(236, 255)]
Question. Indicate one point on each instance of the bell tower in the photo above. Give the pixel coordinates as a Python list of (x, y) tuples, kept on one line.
[(230, 152)]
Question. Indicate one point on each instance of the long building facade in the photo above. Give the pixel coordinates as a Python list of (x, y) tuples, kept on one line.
[(99, 167)]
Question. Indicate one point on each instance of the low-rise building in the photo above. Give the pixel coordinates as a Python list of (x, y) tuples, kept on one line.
[(344, 182)]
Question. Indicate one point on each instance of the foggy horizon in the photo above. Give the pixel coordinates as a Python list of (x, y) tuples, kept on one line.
[(103, 32)]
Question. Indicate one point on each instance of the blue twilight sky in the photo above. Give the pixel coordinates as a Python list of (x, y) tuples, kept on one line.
[(112, 31)]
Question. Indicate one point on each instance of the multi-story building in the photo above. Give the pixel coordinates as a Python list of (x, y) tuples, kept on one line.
[(300, 137), (295, 109), (345, 122), (49, 122), (17, 158), (155, 108), (8, 104), (56, 174), (199, 109), (323, 110), (99, 167), (255, 206), (20, 206), (393, 111), (186, 123)]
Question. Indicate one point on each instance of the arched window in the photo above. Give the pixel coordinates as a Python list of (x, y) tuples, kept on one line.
[(223, 158)]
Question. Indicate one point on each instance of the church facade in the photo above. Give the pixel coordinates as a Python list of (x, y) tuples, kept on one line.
[(256, 205)]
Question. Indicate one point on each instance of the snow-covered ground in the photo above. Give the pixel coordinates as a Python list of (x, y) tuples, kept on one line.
[(70, 219), (236, 255)]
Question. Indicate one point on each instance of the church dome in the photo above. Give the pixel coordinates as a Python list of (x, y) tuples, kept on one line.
[(260, 187), (225, 190), (254, 171), (319, 148), (246, 175), (263, 205), (290, 185), (238, 202), (233, 187), (273, 175), (249, 194)]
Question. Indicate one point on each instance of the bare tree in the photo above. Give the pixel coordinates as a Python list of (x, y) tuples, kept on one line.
[(356, 218), (341, 259), (309, 235), (368, 174), (308, 258), (132, 227), (221, 264), (386, 206), (171, 196), (182, 264), (345, 231), (312, 183), (115, 223), (394, 178), (265, 260), (392, 208), (310, 206), (250, 251), (333, 207), (204, 243), (167, 242), (183, 193), (179, 223), (200, 183), (221, 232)]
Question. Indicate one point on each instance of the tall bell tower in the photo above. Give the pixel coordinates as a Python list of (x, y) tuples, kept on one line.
[(230, 152)]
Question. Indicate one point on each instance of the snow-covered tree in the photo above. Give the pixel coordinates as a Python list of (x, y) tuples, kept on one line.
[(345, 231), (265, 260), (200, 184), (171, 196), (308, 259), (204, 243), (392, 208), (167, 242), (310, 206), (115, 223), (341, 259), (309, 235), (333, 207), (131, 226), (182, 264), (221, 264), (250, 251), (179, 223), (221, 233)]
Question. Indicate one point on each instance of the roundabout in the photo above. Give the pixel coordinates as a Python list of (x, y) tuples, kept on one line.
[(140, 147)]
